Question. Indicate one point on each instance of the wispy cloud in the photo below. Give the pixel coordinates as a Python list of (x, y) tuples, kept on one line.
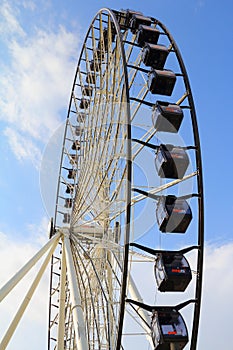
[(23, 147), (36, 86), (199, 5), (36, 82), (9, 24), (39, 233), (28, 4), (217, 305)]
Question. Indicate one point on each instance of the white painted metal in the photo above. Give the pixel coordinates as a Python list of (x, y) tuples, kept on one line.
[(8, 335), (77, 311), (24, 270), (100, 289), (100, 192), (62, 302), (159, 189), (135, 295)]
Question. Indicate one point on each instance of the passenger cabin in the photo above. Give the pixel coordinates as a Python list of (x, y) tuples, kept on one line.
[(154, 55), (71, 174), (76, 146), (107, 35), (91, 78), (124, 17), (98, 53), (168, 327), (161, 82), (81, 117), (68, 203), (78, 130), (167, 117), (171, 161), (172, 272), (138, 20), (69, 189), (173, 214), (147, 34), (87, 90), (95, 65), (66, 218), (84, 103)]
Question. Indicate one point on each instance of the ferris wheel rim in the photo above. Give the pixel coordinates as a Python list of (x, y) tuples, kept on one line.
[(198, 292), (198, 174)]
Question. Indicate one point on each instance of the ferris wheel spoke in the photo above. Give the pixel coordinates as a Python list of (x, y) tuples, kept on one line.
[(108, 171), (103, 292), (159, 189)]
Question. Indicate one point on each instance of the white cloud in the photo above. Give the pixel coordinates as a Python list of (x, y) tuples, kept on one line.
[(40, 232), (9, 24), (23, 147), (29, 5), (36, 84), (216, 315)]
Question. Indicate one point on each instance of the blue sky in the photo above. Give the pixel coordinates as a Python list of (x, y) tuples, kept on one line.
[(39, 46)]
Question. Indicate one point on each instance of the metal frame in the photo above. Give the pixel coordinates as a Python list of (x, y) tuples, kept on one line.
[(91, 275), (129, 76)]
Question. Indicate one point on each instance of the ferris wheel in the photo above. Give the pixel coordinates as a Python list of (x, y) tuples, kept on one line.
[(129, 207)]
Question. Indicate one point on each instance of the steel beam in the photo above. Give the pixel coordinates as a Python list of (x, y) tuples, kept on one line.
[(77, 310)]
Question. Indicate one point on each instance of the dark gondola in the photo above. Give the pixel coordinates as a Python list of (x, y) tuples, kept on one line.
[(124, 17), (91, 78), (171, 161), (154, 55), (68, 203), (168, 327), (138, 20), (167, 117), (173, 214), (71, 174), (87, 90), (76, 146), (172, 272), (84, 103), (66, 218), (161, 82), (95, 65), (147, 34)]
